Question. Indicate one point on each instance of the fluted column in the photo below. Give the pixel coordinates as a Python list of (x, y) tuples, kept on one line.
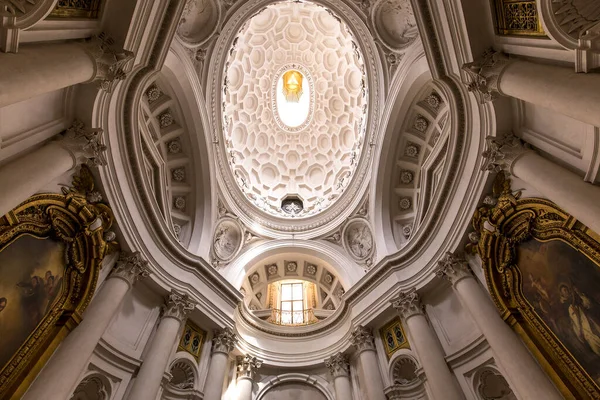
[(42, 68), (362, 339), (553, 87), (523, 372), (558, 184), (222, 344), (339, 368), (59, 376), (26, 175), (424, 341), (247, 367), (175, 310)]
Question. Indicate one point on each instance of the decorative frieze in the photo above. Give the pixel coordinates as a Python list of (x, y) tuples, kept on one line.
[(178, 306), (362, 339), (223, 341), (453, 268), (408, 304), (247, 366), (482, 75), (130, 267), (338, 365)]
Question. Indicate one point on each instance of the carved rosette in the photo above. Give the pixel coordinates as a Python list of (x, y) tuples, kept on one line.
[(408, 304), (502, 153), (109, 64), (84, 144), (482, 76), (223, 341), (362, 339), (453, 268), (131, 267), (247, 367), (178, 306), (338, 365)]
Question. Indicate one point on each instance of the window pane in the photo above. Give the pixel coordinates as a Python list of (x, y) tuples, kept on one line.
[(298, 305), (298, 318), (297, 294), (286, 292), (286, 305), (286, 317)]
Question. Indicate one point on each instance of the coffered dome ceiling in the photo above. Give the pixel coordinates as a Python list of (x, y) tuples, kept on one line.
[(305, 165)]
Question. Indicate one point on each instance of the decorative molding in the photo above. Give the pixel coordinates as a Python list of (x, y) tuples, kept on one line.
[(178, 306), (247, 367), (454, 268), (131, 267), (224, 341), (362, 339), (109, 64), (502, 153), (482, 76), (408, 304), (338, 365)]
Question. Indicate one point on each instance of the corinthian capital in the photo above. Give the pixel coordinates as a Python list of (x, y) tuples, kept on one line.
[(502, 152), (178, 306), (109, 63), (453, 268), (223, 341), (338, 365), (408, 304), (482, 76), (84, 144), (362, 339), (130, 267), (247, 366)]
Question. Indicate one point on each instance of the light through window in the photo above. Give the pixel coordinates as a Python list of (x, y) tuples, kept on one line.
[(292, 303), (293, 98)]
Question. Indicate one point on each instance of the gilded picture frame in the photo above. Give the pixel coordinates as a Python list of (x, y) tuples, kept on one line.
[(78, 226), (513, 233)]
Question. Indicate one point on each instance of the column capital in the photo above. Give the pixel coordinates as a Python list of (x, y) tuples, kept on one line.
[(247, 366), (408, 304), (338, 365), (362, 339), (109, 64), (84, 144), (453, 267), (131, 267), (502, 152), (177, 305), (223, 341), (483, 75)]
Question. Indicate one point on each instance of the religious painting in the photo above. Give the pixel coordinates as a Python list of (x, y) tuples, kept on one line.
[(563, 286), (32, 273), (542, 267)]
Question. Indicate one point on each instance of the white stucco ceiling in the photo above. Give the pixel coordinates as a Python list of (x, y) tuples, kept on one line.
[(316, 162)]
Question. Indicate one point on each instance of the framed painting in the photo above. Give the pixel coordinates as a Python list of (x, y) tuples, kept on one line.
[(542, 267), (51, 249)]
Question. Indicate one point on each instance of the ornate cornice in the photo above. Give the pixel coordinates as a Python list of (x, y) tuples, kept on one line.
[(109, 64), (247, 366), (84, 144), (454, 268), (224, 341), (408, 304), (362, 339), (338, 365), (483, 75), (502, 152), (131, 267), (178, 306)]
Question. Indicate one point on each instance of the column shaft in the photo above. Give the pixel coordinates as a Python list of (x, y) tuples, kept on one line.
[(244, 388), (523, 372), (147, 382), (39, 69), (213, 388), (343, 388), (442, 382), (372, 381), (569, 191), (553, 87), (24, 176), (59, 376)]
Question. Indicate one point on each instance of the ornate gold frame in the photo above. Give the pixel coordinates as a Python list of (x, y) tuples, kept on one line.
[(70, 9), (390, 326), (504, 17), (71, 219), (502, 227)]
